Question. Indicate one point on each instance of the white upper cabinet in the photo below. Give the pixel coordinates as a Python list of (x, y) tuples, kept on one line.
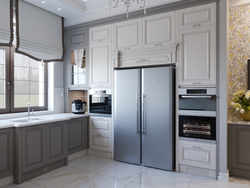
[(100, 34), (100, 56), (159, 30), (197, 48), (198, 16), (127, 35), (100, 70)]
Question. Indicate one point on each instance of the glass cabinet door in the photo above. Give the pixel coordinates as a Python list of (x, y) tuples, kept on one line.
[(78, 68)]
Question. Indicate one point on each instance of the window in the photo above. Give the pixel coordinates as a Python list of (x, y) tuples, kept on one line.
[(22, 81)]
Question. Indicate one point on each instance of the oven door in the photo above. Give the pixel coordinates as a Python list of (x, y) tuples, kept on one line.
[(197, 127), (100, 104), (197, 105)]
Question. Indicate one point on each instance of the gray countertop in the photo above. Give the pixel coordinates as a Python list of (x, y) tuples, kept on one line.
[(237, 121), (35, 120)]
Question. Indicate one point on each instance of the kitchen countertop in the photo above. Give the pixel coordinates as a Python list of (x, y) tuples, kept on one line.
[(237, 121), (17, 122)]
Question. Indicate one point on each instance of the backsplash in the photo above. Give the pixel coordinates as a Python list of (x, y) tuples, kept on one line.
[(239, 47)]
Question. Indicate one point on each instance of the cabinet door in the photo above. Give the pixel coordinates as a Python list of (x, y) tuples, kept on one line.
[(159, 30), (239, 151), (56, 141), (6, 152), (127, 35), (77, 135), (100, 34), (78, 38), (198, 155), (198, 57), (100, 68), (198, 16), (33, 147), (100, 125), (100, 142)]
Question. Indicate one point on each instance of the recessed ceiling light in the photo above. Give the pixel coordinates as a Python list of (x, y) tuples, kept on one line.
[(59, 9), (43, 1), (85, 0)]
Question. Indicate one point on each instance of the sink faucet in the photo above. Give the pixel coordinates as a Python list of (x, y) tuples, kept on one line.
[(29, 112)]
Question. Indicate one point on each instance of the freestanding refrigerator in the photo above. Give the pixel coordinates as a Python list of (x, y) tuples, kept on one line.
[(144, 116)]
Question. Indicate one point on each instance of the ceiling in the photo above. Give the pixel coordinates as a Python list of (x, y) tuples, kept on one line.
[(81, 11)]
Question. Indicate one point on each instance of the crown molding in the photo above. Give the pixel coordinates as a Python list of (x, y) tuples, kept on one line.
[(139, 14)]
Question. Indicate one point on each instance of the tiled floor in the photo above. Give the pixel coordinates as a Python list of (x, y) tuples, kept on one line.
[(96, 172)]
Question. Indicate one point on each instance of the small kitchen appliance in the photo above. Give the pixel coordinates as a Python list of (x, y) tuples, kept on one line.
[(78, 107)]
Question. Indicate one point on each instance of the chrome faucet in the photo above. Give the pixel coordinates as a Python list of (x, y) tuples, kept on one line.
[(29, 112)]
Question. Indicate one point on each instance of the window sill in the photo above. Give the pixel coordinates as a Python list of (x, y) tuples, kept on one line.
[(24, 114)]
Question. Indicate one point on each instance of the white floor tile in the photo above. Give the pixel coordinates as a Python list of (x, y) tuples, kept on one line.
[(93, 180), (59, 178), (204, 182), (123, 171), (163, 179), (24, 185)]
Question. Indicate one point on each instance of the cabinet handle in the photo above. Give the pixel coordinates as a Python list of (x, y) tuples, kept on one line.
[(100, 118), (8, 83), (100, 41), (143, 60), (197, 83), (99, 135), (100, 85), (158, 44), (126, 48), (197, 25), (196, 147)]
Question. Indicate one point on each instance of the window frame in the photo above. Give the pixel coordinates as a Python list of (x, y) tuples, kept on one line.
[(24, 109), (7, 79)]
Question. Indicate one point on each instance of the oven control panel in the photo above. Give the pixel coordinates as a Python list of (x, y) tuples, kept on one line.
[(196, 91)]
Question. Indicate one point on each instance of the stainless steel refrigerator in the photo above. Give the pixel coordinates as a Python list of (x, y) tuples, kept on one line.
[(144, 109)]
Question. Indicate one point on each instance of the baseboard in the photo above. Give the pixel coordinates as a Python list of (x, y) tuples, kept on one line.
[(100, 153), (77, 154), (198, 171), (223, 177), (6, 181)]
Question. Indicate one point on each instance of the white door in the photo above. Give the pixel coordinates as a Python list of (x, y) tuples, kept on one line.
[(127, 35), (197, 16), (198, 56), (198, 155), (159, 30), (100, 68), (100, 34)]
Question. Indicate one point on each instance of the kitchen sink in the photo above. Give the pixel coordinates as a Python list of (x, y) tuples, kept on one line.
[(28, 120)]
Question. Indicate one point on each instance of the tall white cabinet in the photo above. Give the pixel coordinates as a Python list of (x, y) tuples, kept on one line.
[(197, 37), (100, 57)]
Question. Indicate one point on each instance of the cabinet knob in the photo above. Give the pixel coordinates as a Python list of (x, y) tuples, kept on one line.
[(197, 25)]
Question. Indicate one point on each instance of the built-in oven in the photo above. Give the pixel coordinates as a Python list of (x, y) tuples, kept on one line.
[(197, 114), (100, 101)]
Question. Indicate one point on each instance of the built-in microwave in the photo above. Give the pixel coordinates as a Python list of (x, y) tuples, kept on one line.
[(197, 113), (100, 101)]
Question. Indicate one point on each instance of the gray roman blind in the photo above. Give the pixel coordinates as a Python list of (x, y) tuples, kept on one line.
[(39, 32), (6, 22)]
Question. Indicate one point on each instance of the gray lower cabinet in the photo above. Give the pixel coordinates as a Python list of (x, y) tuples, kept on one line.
[(57, 140), (39, 149), (6, 152), (77, 135), (239, 150)]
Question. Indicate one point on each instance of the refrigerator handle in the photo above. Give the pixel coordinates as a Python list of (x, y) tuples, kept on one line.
[(143, 115), (137, 119)]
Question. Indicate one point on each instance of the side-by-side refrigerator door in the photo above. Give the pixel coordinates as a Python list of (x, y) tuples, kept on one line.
[(157, 117), (127, 129)]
